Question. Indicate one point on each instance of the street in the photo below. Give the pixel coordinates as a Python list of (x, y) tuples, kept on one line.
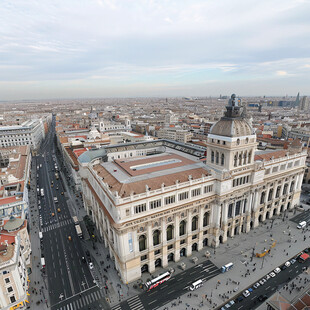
[(70, 281)]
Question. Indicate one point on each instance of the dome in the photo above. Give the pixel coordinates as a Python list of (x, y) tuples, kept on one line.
[(231, 127)]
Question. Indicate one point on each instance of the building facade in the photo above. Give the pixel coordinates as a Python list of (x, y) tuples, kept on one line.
[(31, 133), (155, 206)]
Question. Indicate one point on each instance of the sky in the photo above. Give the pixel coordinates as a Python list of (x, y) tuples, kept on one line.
[(132, 48)]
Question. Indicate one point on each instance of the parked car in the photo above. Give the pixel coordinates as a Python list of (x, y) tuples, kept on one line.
[(239, 299), (277, 270), (267, 277), (256, 285), (272, 274), (91, 266), (287, 264), (293, 261), (262, 281), (246, 293)]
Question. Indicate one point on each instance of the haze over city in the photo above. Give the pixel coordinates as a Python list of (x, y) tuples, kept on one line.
[(72, 49)]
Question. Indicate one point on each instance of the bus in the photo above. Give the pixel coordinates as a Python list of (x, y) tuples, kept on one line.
[(42, 192), (159, 280), (227, 267), (75, 220), (79, 231)]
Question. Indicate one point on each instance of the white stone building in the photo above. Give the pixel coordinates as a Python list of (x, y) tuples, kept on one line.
[(30, 133), (155, 204)]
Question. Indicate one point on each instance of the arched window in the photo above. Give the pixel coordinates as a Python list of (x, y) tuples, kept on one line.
[(262, 197), (194, 223), (142, 243), (217, 158), (235, 160), (249, 157), (182, 228), (169, 232), (222, 159), (240, 159), (206, 219), (156, 237), (270, 194), (285, 189), (212, 157), (244, 158), (292, 186)]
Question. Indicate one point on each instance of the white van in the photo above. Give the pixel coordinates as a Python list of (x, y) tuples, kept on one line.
[(40, 235), (55, 199), (302, 225), (196, 285)]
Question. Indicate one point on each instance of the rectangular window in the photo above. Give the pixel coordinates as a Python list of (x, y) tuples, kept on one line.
[(234, 183), (140, 208), (267, 171), (183, 196), (237, 210), (10, 289), (230, 210), (182, 241), (282, 167), (127, 212), (208, 189), (275, 169), (7, 280), (170, 246), (155, 204), (157, 252), (296, 163), (169, 200), (289, 165), (196, 192)]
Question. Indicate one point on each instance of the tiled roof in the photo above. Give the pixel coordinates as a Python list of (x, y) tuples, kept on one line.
[(271, 155)]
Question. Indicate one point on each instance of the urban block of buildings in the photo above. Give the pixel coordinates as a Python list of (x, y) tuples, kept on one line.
[(154, 202)]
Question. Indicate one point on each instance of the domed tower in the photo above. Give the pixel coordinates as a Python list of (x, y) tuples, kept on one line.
[(231, 142)]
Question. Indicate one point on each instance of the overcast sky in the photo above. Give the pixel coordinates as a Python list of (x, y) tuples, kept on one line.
[(106, 48)]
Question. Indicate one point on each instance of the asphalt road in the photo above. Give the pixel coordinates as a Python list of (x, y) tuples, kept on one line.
[(70, 280), (252, 302), (303, 216), (172, 289)]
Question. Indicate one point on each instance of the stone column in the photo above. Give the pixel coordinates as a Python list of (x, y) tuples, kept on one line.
[(200, 227), (223, 225), (255, 212)]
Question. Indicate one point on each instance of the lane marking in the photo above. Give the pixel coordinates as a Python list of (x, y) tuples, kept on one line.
[(152, 301)]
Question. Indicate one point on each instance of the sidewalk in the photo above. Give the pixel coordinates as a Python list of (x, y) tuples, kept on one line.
[(38, 288)]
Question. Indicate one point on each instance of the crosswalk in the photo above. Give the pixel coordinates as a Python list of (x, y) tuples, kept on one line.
[(134, 303), (83, 301), (57, 225)]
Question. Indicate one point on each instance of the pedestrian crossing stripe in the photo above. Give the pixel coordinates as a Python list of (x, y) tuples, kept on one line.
[(83, 301)]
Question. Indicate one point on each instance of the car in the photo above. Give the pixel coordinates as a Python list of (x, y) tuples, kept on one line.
[(231, 302), (262, 297), (239, 299), (262, 281), (227, 306), (250, 289), (91, 266), (87, 253), (62, 193), (283, 267), (267, 277), (287, 264), (272, 274), (246, 293), (83, 259), (256, 285), (293, 261), (277, 270), (53, 214), (58, 210), (69, 238), (57, 187), (307, 250)]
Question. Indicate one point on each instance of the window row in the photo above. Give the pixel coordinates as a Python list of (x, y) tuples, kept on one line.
[(242, 158), (217, 158), (171, 199), (241, 181), (277, 193), (170, 231), (237, 210)]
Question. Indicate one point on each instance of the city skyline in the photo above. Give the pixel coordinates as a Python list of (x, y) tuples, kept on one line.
[(156, 48)]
